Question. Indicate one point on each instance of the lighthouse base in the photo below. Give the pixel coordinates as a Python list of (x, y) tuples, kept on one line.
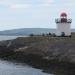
[(63, 29), (64, 36)]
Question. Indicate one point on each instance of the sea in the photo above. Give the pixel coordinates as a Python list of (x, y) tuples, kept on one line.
[(9, 37), (11, 68)]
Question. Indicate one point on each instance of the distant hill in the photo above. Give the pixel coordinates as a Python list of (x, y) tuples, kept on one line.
[(28, 31)]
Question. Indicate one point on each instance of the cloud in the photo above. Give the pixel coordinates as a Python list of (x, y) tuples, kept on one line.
[(42, 3), (49, 1), (5, 2), (17, 6), (14, 4)]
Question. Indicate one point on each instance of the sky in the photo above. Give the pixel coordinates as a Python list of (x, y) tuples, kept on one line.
[(16, 14)]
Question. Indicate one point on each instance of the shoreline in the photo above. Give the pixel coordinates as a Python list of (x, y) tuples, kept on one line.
[(50, 67)]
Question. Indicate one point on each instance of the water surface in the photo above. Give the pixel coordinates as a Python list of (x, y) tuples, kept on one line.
[(9, 37), (8, 68)]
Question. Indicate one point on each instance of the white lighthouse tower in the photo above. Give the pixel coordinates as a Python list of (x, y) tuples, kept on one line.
[(63, 25)]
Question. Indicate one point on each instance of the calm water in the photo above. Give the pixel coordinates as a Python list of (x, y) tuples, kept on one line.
[(9, 37), (8, 68)]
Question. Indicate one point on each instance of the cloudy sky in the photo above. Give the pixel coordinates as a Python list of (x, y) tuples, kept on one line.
[(34, 13)]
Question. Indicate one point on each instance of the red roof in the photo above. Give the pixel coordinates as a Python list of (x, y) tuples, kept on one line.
[(63, 14)]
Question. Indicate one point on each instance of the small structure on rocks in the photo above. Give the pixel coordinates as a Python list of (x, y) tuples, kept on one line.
[(63, 25)]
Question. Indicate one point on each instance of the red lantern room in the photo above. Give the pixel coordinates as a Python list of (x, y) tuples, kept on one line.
[(63, 18), (63, 14)]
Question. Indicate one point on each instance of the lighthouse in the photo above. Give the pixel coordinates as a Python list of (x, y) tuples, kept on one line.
[(63, 24)]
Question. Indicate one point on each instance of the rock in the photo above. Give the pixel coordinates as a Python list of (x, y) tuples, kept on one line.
[(49, 48)]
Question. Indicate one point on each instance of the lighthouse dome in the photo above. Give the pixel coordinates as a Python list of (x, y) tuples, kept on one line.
[(63, 14)]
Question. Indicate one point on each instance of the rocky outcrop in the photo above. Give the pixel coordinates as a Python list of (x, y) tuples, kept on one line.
[(47, 48), (52, 54)]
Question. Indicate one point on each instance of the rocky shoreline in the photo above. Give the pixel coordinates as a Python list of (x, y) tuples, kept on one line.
[(42, 52)]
